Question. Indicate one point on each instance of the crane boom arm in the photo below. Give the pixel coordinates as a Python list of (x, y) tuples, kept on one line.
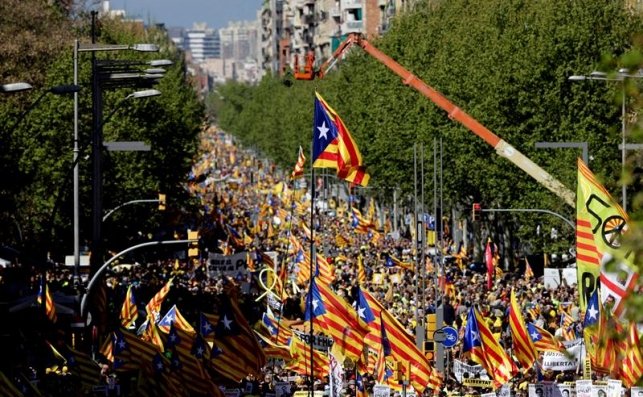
[(502, 147)]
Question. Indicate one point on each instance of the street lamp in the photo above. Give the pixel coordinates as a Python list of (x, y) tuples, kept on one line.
[(621, 76), (93, 48), (56, 90), (15, 87)]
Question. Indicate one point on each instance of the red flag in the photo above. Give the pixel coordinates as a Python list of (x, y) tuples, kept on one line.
[(488, 258)]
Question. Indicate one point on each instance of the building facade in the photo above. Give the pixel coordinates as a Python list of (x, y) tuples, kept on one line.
[(293, 28)]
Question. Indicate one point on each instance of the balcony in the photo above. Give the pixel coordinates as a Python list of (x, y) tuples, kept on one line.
[(336, 13), (352, 27)]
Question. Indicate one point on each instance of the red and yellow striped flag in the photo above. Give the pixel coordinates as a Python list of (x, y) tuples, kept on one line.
[(153, 307), (632, 368), (403, 348), (45, 295), (361, 273), (129, 311), (486, 351), (300, 364), (299, 166), (523, 346)]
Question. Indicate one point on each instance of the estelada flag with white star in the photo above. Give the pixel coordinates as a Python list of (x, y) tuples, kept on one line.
[(333, 146)]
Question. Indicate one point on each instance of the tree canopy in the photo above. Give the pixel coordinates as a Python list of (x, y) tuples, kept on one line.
[(506, 63)]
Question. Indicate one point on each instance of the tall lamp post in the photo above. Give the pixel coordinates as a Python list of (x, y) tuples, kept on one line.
[(97, 141), (621, 76)]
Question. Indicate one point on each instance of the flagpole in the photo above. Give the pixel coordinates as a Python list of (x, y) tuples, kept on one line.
[(288, 233), (313, 260)]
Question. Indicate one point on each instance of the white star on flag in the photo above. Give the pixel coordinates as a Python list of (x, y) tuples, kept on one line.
[(535, 336), (361, 312), (323, 130), (226, 322), (315, 304), (474, 336), (207, 327), (592, 312)]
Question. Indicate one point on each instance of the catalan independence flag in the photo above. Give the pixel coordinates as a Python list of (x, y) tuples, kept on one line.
[(333, 146), (486, 351), (523, 345), (543, 340), (299, 166), (129, 311), (399, 344), (337, 318), (44, 297), (174, 317)]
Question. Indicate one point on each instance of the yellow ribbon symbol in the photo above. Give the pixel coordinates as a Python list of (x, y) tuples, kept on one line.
[(262, 285)]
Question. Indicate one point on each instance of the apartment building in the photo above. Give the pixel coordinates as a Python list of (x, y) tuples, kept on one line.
[(293, 28), (201, 42)]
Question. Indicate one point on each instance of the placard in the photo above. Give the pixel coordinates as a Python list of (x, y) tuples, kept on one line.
[(636, 391), (282, 389), (231, 265), (232, 392), (537, 390), (377, 278), (584, 388), (563, 390), (504, 391), (552, 278), (570, 275), (599, 391), (472, 371), (568, 361), (614, 387), (381, 391)]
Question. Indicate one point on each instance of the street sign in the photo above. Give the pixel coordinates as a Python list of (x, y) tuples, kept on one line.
[(448, 336), (127, 146)]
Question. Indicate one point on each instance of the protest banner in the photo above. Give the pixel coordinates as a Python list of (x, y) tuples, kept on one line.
[(462, 371), (320, 342), (488, 395), (476, 382), (636, 391), (568, 361), (381, 391), (231, 265)]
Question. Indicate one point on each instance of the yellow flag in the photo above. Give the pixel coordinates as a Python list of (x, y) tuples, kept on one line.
[(600, 224)]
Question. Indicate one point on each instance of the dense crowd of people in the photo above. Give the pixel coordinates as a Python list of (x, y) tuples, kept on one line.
[(250, 206)]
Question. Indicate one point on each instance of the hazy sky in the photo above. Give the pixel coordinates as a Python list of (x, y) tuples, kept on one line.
[(216, 13)]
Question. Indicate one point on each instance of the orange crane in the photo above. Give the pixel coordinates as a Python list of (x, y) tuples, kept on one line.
[(502, 147)]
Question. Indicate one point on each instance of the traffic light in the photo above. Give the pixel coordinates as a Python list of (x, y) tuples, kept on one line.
[(476, 213), (193, 248), (162, 202)]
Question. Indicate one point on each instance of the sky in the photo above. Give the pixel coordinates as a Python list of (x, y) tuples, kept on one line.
[(183, 13)]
